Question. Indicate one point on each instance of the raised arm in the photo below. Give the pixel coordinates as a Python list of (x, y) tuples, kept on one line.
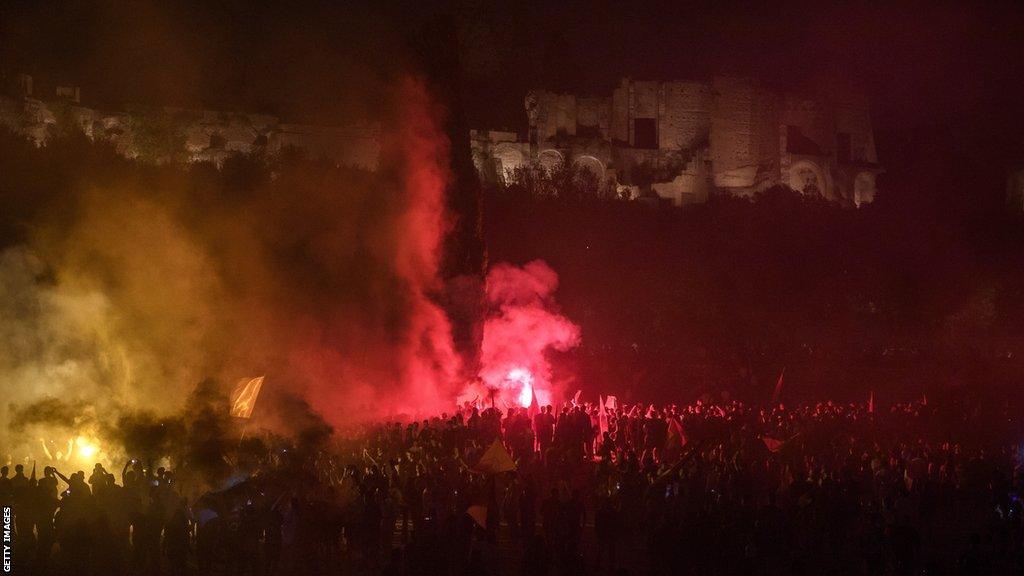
[(45, 449)]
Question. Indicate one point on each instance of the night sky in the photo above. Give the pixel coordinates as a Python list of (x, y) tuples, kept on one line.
[(946, 83)]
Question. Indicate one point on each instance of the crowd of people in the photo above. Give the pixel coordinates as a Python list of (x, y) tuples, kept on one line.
[(705, 488)]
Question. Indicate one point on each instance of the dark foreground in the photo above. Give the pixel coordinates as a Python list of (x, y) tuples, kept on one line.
[(699, 489)]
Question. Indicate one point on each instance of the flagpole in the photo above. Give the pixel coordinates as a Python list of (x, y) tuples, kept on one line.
[(245, 428)]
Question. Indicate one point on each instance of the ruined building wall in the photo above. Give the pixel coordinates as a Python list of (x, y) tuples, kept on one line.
[(735, 139), (807, 137), (594, 113), (684, 140), (206, 135), (643, 104), (620, 113), (769, 170), (853, 117), (685, 122), (556, 114)]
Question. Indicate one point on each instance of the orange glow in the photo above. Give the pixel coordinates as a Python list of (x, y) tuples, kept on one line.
[(86, 448)]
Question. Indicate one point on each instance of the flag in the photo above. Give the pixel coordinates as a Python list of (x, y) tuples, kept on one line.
[(602, 417), (532, 413), (576, 398), (611, 402), (243, 396), (478, 512), (772, 444), (534, 408), (778, 388), (676, 438), (495, 460), (871, 402)]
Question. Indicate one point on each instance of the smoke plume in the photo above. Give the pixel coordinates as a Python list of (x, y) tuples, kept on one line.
[(522, 326), (150, 279)]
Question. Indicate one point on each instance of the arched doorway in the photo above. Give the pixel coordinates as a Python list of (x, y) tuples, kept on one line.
[(550, 159), (592, 165), (809, 179), (864, 188)]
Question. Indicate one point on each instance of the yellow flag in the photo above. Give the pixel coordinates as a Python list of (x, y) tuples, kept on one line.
[(479, 514), (495, 460), (243, 396)]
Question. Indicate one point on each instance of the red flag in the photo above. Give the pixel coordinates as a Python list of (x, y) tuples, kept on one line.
[(778, 388), (773, 444), (576, 398), (611, 402), (534, 408), (602, 417)]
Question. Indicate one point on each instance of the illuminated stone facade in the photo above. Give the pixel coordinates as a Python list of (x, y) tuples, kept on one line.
[(683, 141), (186, 134)]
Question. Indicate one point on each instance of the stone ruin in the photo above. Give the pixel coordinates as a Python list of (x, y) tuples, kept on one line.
[(680, 142), (672, 142), (189, 135)]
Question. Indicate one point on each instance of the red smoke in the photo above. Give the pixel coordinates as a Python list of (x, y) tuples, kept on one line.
[(407, 363), (521, 326), (432, 364)]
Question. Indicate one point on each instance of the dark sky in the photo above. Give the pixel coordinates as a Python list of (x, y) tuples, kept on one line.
[(946, 82)]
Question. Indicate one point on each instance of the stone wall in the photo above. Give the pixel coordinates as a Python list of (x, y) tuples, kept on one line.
[(685, 122), (204, 135), (496, 153), (727, 136), (735, 136), (594, 113), (555, 115)]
